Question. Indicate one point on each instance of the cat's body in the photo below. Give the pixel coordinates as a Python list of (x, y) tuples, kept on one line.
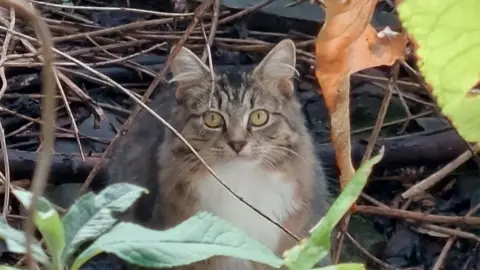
[(251, 131)]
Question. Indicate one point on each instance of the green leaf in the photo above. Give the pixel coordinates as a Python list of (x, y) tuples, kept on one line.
[(343, 266), (48, 222), (91, 215), (15, 241), (198, 238), (6, 267), (313, 249), (447, 34)]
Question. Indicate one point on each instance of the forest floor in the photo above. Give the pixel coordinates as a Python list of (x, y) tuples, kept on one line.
[(131, 46)]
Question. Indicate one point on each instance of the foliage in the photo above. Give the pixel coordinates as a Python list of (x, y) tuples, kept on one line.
[(92, 215), (15, 242), (198, 238), (348, 43), (447, 41), (310, 251), (49, 224)]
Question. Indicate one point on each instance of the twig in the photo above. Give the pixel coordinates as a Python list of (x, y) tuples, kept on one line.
[(6, 43), (24, 127), (70, 114), (242, 13), (381, 114), (210, 65), (213, 30), (24, 183), (124, 27), (160, 14), (394, 122), (126, 58), (452, 232), (405, 106), (81, 94), (475, 255), (48, 115), (3, 143), (403, 214), (6, 164), (440, 174), (451, 241), (368, 254), (436, 228)]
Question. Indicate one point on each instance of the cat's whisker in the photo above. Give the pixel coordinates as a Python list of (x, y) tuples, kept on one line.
[(284, 153), (270, 164), (290, 151)]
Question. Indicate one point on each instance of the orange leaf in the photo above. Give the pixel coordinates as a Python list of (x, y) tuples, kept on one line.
[(346, 44)]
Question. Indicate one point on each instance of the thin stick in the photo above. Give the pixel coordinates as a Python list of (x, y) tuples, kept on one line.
[(210, 64), (6, 43), (213, 30), (381, 114), (242, 13), (160, 14), (6, 164), (368, 254), (48, 115), (403, 214), (70, 114), (440, 174), (451, 241), (124, 27)]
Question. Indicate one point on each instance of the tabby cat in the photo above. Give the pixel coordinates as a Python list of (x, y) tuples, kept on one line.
[(250, 130)]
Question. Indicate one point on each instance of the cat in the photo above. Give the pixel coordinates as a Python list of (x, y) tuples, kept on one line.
[(251, 131)]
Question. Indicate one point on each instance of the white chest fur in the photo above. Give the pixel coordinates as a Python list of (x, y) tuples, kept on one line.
[(267, 191)]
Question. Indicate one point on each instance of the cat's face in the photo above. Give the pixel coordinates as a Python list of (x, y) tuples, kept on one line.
[(252, 115)]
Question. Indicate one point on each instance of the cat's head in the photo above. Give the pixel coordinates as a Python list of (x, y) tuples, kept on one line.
[(252, 115)]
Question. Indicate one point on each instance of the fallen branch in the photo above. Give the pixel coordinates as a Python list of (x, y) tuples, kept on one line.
[(412, 150)]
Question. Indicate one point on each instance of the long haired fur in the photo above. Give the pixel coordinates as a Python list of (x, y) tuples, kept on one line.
[(275, 169)]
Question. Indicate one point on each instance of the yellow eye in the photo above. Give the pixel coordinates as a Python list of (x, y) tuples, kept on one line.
[(258, 118), (213, 119)]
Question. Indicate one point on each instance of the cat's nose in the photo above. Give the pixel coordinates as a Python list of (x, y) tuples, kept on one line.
[(237, 146)]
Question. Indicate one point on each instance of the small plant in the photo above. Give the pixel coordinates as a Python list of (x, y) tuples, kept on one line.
[(91, 218)]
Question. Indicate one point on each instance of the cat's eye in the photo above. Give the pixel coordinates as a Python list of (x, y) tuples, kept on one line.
[(213, 119), (258, 118)]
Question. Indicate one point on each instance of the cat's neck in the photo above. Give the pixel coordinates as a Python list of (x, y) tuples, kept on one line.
[(272, 192)]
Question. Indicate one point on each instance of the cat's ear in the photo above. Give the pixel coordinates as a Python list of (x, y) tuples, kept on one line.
[(279, 64), (187, 69)]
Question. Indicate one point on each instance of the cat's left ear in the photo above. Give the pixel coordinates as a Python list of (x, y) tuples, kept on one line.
[(279, 65)]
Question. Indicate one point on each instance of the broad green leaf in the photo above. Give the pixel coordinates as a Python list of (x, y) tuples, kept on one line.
[(49, 224), (198, 238), (15, 241), (343, 266), (448, 36), (6, 267), (91, 215), (313, 249)]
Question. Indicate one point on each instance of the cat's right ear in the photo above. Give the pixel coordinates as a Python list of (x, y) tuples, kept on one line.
[(187, 70)]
